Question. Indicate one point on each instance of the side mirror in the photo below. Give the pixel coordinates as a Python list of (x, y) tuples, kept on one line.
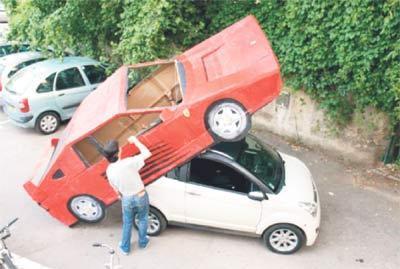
[(54, 142), (256, 195)]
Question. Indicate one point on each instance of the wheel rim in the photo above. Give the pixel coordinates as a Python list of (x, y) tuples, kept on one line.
[(86, 208), (48, 123), (153, 225), (283, 240), (228, 120)]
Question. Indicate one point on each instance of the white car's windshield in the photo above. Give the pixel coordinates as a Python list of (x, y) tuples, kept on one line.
[(262, 161)]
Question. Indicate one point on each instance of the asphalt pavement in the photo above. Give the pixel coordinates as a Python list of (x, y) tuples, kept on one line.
[(360, 226)]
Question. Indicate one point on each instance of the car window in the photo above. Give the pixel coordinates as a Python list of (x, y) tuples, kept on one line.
[(8, 49), (94, 73), (152, 86), (22, 65), (262, 162), (69, 78), (218, 175), (47, 85)]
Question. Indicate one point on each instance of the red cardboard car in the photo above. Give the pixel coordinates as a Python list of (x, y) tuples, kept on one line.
[(177, 108)]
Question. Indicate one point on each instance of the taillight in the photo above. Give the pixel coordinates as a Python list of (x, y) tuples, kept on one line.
[(24, 105), (1, 86)]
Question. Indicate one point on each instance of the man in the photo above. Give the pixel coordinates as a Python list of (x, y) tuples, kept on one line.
[(124, 177)]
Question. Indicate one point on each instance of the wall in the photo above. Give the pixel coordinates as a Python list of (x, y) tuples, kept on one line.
[(295, 116)]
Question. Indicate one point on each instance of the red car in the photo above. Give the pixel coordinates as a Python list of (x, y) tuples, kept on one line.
[(177, 108)]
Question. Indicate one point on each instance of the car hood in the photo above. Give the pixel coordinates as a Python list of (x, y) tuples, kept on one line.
[(298, 180)]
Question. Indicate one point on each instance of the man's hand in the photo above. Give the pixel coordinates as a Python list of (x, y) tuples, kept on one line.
[(133, 139), (144, 151)]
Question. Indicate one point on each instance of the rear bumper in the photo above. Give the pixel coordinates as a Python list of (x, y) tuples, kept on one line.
[(25, 121), (57, 210), (36, 194)]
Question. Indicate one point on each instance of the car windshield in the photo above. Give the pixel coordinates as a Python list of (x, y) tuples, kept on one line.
[(262, 161)]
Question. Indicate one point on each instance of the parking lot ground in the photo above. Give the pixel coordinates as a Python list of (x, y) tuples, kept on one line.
[(360, 225)]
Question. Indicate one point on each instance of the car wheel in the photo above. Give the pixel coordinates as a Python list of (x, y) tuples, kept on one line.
[(87, 208), (48, 123), (227, 120), (157, 222), (283, 238)]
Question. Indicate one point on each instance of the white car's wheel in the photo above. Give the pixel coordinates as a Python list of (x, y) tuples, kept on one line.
[(156, 222), (48, 123), (227, 120), (284, 238), (87, 208)]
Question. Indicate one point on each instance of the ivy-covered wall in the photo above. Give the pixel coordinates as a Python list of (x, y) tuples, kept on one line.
[(344, 54)]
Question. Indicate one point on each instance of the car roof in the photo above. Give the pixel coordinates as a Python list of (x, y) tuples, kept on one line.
[(19, 57), (44, 68)]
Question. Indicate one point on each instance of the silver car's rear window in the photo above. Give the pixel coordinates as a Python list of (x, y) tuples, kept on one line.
[(19, 83)]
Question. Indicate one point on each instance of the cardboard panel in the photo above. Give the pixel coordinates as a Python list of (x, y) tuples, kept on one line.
[(161, 83), (119, 129)]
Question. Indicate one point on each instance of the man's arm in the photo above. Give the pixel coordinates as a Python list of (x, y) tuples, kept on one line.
[(144, 151)]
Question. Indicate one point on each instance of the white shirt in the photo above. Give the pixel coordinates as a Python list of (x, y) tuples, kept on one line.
[(124, 176)]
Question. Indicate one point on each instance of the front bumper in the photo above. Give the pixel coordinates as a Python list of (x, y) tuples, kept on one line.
[(312, 229)]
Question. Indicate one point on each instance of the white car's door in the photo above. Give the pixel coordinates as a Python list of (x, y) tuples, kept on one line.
[(168, 195), (71, 89), (216, 196)]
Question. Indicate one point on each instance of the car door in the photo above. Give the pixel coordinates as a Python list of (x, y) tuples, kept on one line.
[(168, 195), (71, 89), (216, 196), (95, 74)]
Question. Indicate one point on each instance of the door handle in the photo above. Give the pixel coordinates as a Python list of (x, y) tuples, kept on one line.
[(193, 193), (61, 94)]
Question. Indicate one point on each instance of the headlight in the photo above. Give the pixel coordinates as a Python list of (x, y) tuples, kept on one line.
[(309, 207)]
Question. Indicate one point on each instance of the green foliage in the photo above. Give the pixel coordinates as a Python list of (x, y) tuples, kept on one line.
[(344, 54), (157, 29)]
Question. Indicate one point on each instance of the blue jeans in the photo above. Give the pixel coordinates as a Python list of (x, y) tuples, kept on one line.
[(132, 205)]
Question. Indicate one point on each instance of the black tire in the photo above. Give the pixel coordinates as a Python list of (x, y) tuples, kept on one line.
[(87, 208), (8, 262), (47, 123), (239, 122), (291, 242), (156, 215)]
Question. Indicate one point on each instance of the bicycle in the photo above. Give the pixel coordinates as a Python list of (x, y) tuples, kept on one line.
[(111, 251), (6, 261)]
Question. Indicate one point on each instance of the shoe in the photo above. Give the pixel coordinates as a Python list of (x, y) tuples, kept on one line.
[(145, 245), (123, 252)]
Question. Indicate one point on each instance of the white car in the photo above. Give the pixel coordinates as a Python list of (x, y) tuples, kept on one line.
[(244, 187), (12, 63)]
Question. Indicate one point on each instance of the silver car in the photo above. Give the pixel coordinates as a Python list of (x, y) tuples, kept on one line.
[(11, 64), (44, 94)]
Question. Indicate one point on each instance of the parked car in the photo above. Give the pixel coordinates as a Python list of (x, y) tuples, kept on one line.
[(176, 107), (243, 187), (8, 48), (11, 64), (44, 94)]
